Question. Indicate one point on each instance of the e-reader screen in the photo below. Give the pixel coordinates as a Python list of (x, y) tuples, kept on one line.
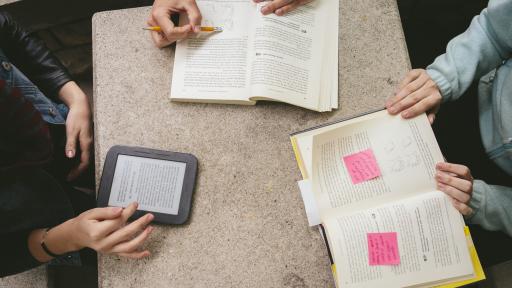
[(154, 183)]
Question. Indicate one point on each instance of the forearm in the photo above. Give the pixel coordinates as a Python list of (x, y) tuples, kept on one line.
[(492, 207), (71, 94), (32, 57), (474, 53), (58, 240)]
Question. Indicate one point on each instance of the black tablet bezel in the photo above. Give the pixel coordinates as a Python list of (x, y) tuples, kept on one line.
[(190, 160)]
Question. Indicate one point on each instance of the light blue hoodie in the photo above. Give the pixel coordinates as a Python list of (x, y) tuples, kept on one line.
[(484, 52)]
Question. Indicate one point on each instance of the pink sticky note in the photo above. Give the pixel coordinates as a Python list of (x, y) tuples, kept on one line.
[(383, 249), (362, 166)]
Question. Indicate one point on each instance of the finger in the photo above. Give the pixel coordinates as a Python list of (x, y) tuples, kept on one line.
[(134, 244), (431, 118), (458, 183), (100, 214), (464, 209), (407, 102), (71, 138), (82, 166), (129, 231), (158, 37), (85, 154), (411, 89), (275, 4), (419, 106), (454, 193), (178, 33), (135, 255), (108, 227), (129, 210), (162, 18), (194, 15), (411, 76), (285, 9), (460, 170)]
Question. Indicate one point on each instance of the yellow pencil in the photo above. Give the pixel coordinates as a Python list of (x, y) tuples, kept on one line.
[(202, 28)]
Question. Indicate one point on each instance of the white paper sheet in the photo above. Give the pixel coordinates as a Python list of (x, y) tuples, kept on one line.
[(309, 202)]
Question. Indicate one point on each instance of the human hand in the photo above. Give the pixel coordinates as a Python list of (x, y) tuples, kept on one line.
[(161, 16), (416, 94), (106, 231), (78, 126), (281, 7), (456, 181)]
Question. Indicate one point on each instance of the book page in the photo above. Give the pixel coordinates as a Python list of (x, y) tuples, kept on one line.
[(287, 55), (214, 67), (302, 142), (154, 183), (431, 243), (406, 153)]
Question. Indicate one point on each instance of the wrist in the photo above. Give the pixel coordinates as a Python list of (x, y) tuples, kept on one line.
[(61, 238), (72, 95)]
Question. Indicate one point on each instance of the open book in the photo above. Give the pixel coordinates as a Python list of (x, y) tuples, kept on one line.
[(292, 58), (432, 245)]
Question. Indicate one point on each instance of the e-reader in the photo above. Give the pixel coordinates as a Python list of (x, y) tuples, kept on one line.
[(162, 182)]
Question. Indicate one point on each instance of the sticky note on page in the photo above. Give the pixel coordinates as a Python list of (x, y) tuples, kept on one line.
[(362, 166), (383, 249)]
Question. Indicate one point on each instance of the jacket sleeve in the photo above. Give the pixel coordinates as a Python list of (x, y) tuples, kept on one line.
[(491, 207), (481, 48), (32, 57), (17, 256)]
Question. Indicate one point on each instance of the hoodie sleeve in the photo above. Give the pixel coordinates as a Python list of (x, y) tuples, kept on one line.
[(491, 206), (481, 48)]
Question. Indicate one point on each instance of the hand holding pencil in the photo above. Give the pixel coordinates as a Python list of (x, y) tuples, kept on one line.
[(161, 17)]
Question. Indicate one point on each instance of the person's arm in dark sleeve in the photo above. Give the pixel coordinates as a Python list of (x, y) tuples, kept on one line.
[(17, 257), (32, 57)]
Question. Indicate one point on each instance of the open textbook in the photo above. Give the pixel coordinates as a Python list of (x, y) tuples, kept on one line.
[(433, 246), (291, 58)]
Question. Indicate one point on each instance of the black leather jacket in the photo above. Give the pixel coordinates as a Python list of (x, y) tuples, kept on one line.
[(33, 199), (32, 57)]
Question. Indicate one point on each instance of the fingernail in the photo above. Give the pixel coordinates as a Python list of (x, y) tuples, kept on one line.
[(197, 29), (392, 110), (71, 153), (117, 209), (150, 217), (265, 10), (279, 12), (406, 114)]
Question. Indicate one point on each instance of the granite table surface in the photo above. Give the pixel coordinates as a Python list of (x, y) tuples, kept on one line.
[(247, 227)]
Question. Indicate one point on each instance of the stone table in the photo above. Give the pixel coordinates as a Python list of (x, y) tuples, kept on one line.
[(248, 227)]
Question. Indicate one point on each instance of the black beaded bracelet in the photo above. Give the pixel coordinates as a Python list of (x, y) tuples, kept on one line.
[(45, 248)]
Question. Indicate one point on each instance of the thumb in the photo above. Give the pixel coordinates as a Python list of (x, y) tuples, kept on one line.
[(70, 145), (104, 213)]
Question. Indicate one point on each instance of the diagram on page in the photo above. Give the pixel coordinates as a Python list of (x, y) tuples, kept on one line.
[(218, 15)]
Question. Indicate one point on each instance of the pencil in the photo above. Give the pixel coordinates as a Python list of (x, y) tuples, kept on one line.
[(202, 28)]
